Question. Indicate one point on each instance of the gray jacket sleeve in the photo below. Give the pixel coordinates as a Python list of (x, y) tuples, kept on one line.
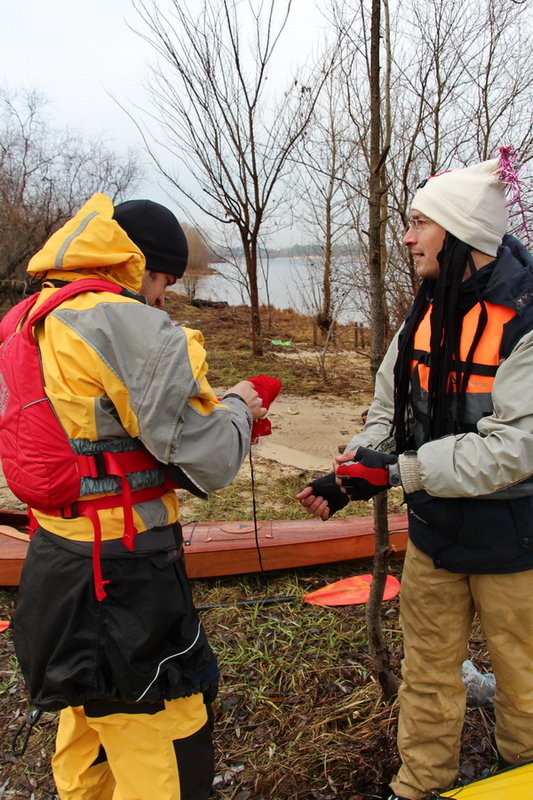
[(180, 420), (210, 449), (377, 431), (159, 373)]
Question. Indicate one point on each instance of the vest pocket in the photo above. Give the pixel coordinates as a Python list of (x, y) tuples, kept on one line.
[(498, 532), (473, 536), (441, 513), (522, 511)]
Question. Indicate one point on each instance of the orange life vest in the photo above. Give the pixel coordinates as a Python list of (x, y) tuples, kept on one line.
[(486, 360)]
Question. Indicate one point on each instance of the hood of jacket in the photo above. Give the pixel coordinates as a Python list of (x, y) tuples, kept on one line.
[(91, 244), (511, 280)]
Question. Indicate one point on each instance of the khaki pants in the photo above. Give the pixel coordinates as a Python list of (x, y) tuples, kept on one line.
[(167, 755), (437, 609)]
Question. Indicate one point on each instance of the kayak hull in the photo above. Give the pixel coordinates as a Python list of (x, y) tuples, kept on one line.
[(233, 548)]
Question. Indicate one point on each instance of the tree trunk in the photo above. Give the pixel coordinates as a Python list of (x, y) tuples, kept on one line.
[(325, 317), (378, 649), (250, 254), (376, 642)]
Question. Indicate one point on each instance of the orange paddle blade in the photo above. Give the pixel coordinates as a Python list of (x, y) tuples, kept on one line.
[(4, 625), (350, 591)]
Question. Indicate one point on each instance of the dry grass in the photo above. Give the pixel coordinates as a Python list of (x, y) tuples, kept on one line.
[(299, 716), (227, 332)]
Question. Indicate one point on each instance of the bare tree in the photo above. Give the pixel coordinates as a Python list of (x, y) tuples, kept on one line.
[(45, 175), (324, 155), (364, 63), (217, 121), (463, 87), (379, 148)]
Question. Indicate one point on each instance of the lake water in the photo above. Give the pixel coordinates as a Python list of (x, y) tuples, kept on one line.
[(288, 287)]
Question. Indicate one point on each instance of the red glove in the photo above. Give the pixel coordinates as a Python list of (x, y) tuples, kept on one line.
[(368, 474), (268, 389)]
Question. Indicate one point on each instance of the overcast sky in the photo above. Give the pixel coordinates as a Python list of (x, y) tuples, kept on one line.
[(77, 54), (73, 52)]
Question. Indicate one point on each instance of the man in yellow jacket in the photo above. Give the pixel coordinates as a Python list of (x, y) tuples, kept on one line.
[(113, 640)]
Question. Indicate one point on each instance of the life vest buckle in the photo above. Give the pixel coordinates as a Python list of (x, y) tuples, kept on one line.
[(70, 512), (99, 460)]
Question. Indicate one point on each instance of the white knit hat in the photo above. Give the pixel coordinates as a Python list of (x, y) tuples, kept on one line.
[(470, 203)]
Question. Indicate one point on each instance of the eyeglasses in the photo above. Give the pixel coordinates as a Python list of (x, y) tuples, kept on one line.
[(417, 223)]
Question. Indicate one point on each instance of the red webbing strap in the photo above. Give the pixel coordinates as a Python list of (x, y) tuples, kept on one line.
[(79, 508), (99, 583), (11, 320), (90, 508), (87, 466), (33, 524), (129, 461), (64, 293), (114, 468), (98, 580), (116, 465), (121, 463)]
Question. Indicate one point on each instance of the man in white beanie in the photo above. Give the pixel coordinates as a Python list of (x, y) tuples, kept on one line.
[(452, 423)]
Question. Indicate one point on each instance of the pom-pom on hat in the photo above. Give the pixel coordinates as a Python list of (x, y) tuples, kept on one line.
[(469, 202), (157, 233)]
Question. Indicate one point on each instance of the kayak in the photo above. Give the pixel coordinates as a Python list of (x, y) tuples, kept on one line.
[(515, 783), (233, 548)]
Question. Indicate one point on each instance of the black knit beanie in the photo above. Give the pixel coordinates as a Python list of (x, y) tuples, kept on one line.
[(157, 233)]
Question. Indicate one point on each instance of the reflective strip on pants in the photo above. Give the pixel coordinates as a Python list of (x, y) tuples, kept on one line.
[(167, 755)]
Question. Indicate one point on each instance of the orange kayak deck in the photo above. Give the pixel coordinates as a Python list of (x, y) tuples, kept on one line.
[(229, 548)]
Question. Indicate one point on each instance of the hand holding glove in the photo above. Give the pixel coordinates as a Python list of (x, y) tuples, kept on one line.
[(268, 389), (323, 497), (258, 393), (368, 474)]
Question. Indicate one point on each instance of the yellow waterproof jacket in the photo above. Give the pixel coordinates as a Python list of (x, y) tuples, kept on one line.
[(117, 371)]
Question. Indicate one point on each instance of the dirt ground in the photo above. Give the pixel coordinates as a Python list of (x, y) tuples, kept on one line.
[(7, 498), (307, 431)]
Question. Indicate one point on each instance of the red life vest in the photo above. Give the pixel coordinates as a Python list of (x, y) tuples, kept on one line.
[(39, 464)]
